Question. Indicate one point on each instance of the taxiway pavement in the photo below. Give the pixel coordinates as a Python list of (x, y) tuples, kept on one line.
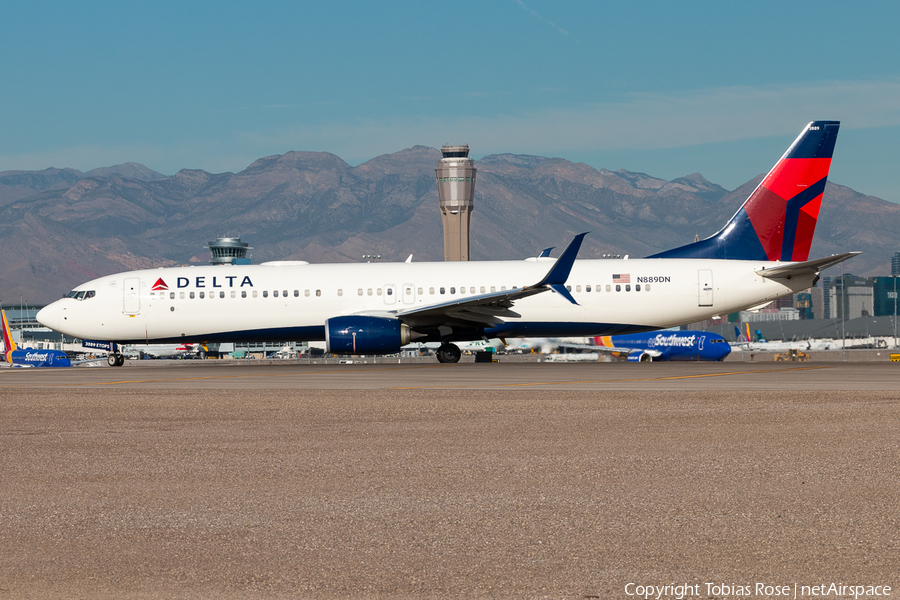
[(506, 480)]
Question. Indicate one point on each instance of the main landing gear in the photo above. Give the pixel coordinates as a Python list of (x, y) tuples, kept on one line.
[(114, 359), (448, 353)]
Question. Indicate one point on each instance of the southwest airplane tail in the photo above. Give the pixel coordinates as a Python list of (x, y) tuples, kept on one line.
[(29, 357), (778, 219), (760, 255)]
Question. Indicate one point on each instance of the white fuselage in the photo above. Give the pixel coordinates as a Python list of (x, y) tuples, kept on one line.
[(292, 301)]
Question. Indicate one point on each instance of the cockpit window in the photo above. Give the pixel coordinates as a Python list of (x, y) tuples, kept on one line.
[(81, 295)]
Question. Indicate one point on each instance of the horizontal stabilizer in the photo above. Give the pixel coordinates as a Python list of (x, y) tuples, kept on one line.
[(809, 267)]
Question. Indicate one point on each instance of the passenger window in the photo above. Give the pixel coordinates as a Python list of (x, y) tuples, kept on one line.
[(202, 295), (452, 290), (627, 287), (284, 293), (191, 295), (420, 291), (577, 288), (587, 288), (171, 295), (369, 291), (221, 294), (318, 293), (181, 295), (608, 288), (647, 288), (243, 293), (618, 288), (378, 292), (255, 294), (233, 294), (493, 288), (569, 288), (360, 292), (340, 292), (637, 287), (265, 293), (442, 291), (431, 291), (390, 292), (275, 294)]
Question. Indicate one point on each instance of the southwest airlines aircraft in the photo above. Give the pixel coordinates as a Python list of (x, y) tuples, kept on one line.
[(665, 345), (29, 357), (375, 308)]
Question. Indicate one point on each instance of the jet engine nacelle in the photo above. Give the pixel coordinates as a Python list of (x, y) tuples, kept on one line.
[(639, 356), (365, 335)]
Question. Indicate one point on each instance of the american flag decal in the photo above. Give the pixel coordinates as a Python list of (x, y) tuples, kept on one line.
[(621, 278)]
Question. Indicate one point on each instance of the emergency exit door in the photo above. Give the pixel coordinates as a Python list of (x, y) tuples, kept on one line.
[(705, 281), (132, 291)]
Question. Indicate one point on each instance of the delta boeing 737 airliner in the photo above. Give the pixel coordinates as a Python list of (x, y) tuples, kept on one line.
[(375, 308)]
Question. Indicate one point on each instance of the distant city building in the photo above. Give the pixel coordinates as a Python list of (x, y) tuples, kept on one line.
[(783, 302), (228, 251), (895, 265), (818, 302), (803, 302), (884, 291), (850, 297), (456, 190), (770, 314), (827, 283)]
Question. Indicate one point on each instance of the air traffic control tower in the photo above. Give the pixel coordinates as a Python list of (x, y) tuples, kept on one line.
[(456, 190), (228, 251)]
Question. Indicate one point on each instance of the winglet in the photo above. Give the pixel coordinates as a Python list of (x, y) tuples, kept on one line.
[(559, 272), (545, 253)]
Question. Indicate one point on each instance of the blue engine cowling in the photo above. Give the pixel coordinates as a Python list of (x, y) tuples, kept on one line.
[(639, 356), (365, 335)]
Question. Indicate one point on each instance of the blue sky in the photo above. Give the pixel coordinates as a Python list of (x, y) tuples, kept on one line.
[(666, 88)]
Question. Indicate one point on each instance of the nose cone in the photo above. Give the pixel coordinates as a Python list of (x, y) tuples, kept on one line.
[(726, 350), (49, 316)]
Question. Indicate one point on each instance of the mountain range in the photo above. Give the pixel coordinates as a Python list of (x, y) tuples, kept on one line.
[(61, 227)]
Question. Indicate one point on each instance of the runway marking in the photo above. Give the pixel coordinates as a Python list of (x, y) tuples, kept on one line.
[(127, 381), (537, 383)]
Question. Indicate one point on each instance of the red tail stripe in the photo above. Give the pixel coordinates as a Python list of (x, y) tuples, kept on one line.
[(793, 175)]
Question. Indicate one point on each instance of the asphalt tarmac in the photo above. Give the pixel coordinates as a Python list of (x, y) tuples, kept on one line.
[(419, 480)]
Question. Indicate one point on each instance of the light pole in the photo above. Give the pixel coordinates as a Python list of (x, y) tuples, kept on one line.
[(895, 311)]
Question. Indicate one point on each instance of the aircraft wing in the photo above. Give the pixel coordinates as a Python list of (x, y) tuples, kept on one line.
[(489, 309), (618, 350)]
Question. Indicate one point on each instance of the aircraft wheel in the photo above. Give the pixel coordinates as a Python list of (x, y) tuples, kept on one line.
[(120, 360), (448, 353), (112, 360)]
